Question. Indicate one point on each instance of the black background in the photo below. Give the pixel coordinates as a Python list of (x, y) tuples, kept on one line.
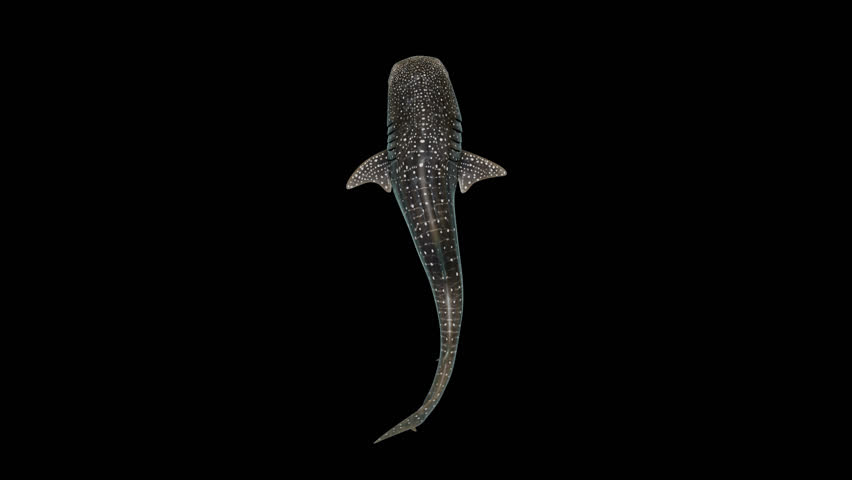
[(267, 304)]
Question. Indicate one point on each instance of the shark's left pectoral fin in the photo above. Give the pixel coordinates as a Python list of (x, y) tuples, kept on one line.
[(473, 168), (375, 169)]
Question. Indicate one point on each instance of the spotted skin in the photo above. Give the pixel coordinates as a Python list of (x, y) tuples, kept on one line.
[(422, 165)]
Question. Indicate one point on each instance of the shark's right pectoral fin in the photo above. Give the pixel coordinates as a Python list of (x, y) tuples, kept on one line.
[(473, 168), (375, 169)]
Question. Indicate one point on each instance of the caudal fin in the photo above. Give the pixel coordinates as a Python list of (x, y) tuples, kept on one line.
[(439, 384), (409, 423)]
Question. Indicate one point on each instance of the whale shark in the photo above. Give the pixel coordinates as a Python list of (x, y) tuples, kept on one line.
[(422, 165)]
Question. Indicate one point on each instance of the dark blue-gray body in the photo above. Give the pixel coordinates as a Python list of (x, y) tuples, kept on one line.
[(422, 165)]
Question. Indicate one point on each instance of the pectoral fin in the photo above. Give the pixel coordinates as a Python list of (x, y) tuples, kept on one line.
[(473, 168), (374, 169)]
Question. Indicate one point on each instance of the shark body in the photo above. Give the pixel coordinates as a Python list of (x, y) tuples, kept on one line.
[(422, 165)]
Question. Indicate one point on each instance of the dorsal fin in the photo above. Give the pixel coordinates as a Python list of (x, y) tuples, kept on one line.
[(374, 169), (473, 168)]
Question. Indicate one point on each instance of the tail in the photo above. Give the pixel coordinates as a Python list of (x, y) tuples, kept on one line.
[(409, 423), (439, 384), (437, 246)]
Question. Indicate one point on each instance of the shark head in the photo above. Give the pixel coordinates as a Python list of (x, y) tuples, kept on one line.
[(420, 85)]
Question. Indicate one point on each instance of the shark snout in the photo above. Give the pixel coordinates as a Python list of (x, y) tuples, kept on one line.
[(418, 66), (420, 59)]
